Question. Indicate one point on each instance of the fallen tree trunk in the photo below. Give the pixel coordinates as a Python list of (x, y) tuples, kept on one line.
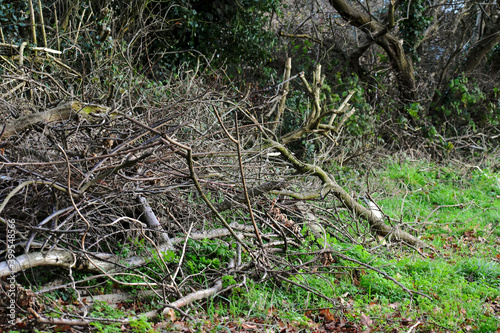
[(315, 123)]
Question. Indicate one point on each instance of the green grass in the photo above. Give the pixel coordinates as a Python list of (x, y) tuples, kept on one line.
[(461, 211)]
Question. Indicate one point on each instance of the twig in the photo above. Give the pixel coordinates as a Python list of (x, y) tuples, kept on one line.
[(128, 163), (209, 204), (413, 326), (14, 191), (384, 274), (189, 157), (247, 198), (152, 221), (182, 253), (284, 34), (200, 294)]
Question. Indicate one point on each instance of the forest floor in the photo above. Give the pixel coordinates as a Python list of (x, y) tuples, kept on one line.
[(453, 206)]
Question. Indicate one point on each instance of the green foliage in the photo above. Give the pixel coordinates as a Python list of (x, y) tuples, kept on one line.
[(220, 29), (414, 109), (414, 24), (297, 110), (13, 19), (141, 325), (480, 270), (228, 280), (468, 96), (103, 310), (467, 104), (374, 283), (206, 254), (122, 250), (106, 328), (301, 49), (361, 122)]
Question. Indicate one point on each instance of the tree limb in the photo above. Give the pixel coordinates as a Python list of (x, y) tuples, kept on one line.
[(376, 224)]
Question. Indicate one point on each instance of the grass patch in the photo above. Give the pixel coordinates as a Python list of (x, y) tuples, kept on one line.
[(456, 211)]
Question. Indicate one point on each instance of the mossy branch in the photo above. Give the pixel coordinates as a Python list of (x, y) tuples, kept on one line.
[(59, 113), (347, 200)]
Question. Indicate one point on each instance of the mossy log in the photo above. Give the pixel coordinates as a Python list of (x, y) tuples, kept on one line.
[(62, 112)]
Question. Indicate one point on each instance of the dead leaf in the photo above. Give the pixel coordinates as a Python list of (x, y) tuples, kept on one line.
[(171, 314), (62, 328), (365, 320), (328, 317), (272, 311), (248, 326)]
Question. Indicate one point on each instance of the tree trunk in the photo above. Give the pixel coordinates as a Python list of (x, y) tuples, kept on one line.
[(482, 48), (391, 45)]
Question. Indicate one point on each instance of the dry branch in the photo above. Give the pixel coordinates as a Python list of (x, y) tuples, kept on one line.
[(304, 195), (102, 261), (152, 221), (347, 200), (61, 112), (59, 258), (198, 295), (319, 112), (252, 193)]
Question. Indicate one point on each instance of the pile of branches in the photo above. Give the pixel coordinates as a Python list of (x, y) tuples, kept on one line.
[(111, 191)]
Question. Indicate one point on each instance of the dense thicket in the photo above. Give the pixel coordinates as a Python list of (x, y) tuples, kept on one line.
[(430, 63)]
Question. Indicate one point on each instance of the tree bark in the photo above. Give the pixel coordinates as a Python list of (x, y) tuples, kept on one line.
[(391, 45), (482, 48)]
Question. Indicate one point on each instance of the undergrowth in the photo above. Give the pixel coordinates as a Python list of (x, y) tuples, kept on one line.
[(456, 210)]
